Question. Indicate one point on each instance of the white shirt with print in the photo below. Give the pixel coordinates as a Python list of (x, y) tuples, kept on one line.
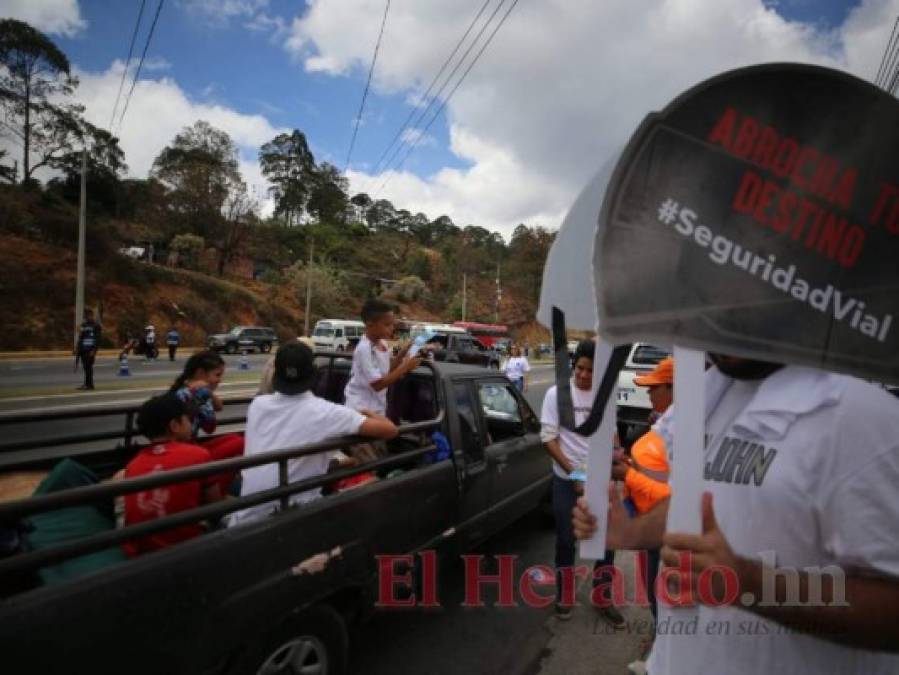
[(574, 446), (371, 362), (517, 367), (277, 422), (806, 466)]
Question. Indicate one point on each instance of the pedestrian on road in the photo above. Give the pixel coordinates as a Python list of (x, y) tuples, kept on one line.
[(172, 339), (152, 351), (569, 454), (89, 335), (800, 513), (517, 369)]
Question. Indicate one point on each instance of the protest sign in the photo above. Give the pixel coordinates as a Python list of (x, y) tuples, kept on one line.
[(758, 215)]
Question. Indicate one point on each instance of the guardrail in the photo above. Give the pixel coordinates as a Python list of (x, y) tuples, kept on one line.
[(11, 512), (15, 511)]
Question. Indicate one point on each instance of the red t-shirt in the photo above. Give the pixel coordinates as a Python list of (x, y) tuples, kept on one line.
[(165, 499)]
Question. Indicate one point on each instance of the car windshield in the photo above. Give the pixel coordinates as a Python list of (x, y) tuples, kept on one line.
[(648, 355), (235, 331), (324, 332)]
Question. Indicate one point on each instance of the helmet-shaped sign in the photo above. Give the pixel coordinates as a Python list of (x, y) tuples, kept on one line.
[(758, 215)]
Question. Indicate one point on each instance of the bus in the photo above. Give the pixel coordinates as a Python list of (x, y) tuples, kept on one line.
[(487, 333), (337, 334)]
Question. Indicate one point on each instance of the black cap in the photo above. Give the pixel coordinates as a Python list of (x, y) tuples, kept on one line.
[(294, 369), (155, 414)]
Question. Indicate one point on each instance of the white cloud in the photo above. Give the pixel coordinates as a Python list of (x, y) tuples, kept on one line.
[(223, 10), (563, 84), (60, 17), (159, 109)]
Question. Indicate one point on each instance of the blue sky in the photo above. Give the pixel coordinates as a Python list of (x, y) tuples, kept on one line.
[(219, 60), (553, 97)]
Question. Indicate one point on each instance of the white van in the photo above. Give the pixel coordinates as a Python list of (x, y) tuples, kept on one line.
[(337, 334)]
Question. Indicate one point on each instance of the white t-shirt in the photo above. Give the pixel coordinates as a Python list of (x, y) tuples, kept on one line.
[(517, 367), (808, 470), (574, 446), (278, 422), (371, 362)]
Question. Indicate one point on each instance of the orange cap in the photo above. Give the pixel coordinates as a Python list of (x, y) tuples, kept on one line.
[(663, 374)]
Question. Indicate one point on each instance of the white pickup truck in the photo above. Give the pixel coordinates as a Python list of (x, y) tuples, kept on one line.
[(633, 401)]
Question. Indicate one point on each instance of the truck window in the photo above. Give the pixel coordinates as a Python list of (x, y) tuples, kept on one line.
[(501, 410), (468, 423), (648, 355)]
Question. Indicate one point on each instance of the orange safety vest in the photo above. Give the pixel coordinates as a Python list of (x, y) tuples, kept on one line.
[(647, 480)]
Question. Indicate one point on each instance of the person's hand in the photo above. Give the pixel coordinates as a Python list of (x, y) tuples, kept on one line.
[(583, 520), (620, 469), (347, 462), (412, 363), (709, 549)]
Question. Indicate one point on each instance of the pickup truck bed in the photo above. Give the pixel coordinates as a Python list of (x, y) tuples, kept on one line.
[(243, 599)]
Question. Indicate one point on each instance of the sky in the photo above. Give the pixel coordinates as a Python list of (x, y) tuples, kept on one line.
[(555, 94)]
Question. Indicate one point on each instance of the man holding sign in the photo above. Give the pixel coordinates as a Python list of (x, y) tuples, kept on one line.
[(797, 564), (770, 202)]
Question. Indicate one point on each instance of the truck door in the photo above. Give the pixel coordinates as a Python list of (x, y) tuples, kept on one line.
[(520, 468), (469, 436)]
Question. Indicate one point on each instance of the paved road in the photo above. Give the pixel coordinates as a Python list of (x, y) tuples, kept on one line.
[(59, 372)]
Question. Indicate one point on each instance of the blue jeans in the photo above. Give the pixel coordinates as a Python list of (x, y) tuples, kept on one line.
[(519, 383), (564, 499)]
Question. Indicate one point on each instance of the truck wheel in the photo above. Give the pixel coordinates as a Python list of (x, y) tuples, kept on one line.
[(265, 348), (314, 642), (231, 348)]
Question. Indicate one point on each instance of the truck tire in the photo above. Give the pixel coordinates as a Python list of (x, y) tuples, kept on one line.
[(265, 348), (231, 348), (314, 641)]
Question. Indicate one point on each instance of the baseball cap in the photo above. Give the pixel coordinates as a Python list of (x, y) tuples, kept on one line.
[(155, 414), (663, 374), (294, 369)]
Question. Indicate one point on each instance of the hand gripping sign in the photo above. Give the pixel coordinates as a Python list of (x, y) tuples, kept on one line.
[(757, 215)]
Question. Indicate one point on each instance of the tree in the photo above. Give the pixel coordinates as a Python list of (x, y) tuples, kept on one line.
[(200, 170), (105, 164), (35, 73), (234, 230), (328, 200), (329, 292), (188, 248), (289, 166)]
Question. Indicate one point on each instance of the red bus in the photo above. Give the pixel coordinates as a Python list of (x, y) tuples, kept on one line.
[(488, 333)]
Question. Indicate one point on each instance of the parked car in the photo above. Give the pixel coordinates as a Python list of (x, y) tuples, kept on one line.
[(244, 338), (633, 402), (463, 348), (242, 599)]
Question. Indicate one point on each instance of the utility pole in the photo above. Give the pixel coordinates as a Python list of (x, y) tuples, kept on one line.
[(309, 286), (82, 224), (464, 295), (499, 293)]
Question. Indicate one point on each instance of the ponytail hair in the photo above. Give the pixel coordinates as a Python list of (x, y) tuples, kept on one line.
[(206, 360)]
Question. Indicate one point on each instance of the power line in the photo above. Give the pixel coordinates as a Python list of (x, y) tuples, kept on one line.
[(424, 98), (127, 63), (371, 70), (881, 68), (891, 73), (447, 99), (140, 63), (443, 87)]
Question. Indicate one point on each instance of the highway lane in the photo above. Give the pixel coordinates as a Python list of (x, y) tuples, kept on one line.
[(60, 373)]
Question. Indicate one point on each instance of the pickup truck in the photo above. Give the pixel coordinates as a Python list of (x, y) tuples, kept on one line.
[(458, 348), (277, 595), (633, 406)]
